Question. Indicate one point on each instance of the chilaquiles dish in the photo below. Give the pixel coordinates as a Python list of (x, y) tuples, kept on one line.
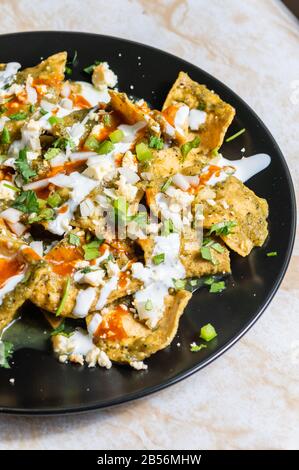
[(110, 210)]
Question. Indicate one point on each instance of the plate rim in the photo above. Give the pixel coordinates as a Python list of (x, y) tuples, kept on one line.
[(137, 395)]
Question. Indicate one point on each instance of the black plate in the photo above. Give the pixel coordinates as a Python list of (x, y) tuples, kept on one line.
[(43, 385)]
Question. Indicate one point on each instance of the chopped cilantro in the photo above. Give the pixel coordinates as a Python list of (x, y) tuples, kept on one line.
[(62, 143), (91, 250), (45, 214), (23, 166), (223, 228), (26, 202), (60, 330)]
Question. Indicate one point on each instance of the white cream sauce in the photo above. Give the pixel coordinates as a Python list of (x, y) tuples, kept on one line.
[(10, 285), (245, 168), (157, 279), (8, 74)]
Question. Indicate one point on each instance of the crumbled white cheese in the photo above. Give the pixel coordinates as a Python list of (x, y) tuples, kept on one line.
[(84, 302), (196, 119), (138, 365), (128, 191), (5, 192), (103, 76)]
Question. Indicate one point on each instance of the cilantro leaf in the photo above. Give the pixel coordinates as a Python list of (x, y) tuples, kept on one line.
[(91, 250), (26, 202), (223, 228), (23, 166)]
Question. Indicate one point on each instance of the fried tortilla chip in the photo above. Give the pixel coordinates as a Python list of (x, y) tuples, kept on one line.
[(237, 203), (18, 267), (59, 265), (191, 258), (130, 340), (219, 114), (49, 72), (132, 112)]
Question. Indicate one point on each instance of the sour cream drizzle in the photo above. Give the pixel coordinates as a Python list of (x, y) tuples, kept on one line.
[(157, 279), (245, 168)]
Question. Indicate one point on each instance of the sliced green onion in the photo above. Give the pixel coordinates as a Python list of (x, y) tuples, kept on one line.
[(51, 153), (92, 143), (192, 144), (237, 134), (54, 120), (54, 200), (18, 116), (197, 347), (143, 152), (217, 287), (206, 254), (5, 137), (116, 136), (166, 185), (156, 142), (105, 147), (64, 297), (272, 253), (148, 305), (208, 332), (158, 259), (17, 190), (179, 284), (74, 239), (107, 120)]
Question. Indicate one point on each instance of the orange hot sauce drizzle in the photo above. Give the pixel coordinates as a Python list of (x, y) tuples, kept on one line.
[(9, 268), (111, 326), (63, 259), (213, 170), (169, 114)]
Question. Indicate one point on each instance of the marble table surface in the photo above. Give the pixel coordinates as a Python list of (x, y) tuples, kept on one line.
[(249, 397)]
